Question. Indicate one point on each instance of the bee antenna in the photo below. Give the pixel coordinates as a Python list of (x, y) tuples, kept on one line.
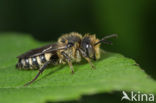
[(104, 39)]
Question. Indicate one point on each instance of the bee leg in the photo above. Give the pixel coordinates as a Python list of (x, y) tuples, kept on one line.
[(69, 61), (91, 64), (40, 71)]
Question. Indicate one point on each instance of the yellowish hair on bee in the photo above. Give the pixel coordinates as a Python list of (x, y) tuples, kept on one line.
[(64, 36), (23, 62), (47, 56), (97, 50), (30, 61), (38, 60), (78, 56), (76, 53)]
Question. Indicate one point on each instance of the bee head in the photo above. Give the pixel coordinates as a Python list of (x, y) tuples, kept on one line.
[(90, 45), (87, 47)]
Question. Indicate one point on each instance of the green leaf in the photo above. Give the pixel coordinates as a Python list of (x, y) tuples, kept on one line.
[(113, 72)]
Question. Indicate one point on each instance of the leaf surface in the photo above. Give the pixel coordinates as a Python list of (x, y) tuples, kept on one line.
[(113, 72)]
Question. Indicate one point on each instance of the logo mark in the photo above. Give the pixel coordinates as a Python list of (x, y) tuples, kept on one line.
[(125, 96), (137, 96)]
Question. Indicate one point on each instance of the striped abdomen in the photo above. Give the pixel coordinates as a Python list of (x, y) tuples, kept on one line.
[(35, 62)]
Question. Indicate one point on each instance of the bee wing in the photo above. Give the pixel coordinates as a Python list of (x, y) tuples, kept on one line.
[(45, 49)]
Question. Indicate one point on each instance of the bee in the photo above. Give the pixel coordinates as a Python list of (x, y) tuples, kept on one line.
[(69, 48)]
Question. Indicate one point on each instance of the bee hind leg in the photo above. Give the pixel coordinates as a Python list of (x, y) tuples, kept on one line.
[(40, 71), (69, 61)]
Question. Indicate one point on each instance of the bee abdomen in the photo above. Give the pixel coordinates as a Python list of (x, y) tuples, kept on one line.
[(33, 62)]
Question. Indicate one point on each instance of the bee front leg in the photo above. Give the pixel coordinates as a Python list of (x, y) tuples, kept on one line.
[(67, 58), (91, 64), (84, 55)]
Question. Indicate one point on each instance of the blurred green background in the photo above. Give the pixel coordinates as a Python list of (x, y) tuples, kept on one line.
[(133, 20)]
